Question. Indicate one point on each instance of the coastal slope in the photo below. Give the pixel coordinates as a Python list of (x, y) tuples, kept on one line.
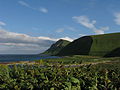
[(56, 47), (94, 45)]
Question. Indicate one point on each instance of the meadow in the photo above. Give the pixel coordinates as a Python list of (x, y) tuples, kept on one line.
[(94, 73), (78, 59)]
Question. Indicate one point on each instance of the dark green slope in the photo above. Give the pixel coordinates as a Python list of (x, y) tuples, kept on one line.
[(105, 44), (79, 46), (56, 47), (95, 45)]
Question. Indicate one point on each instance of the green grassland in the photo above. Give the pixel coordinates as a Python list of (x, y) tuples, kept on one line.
[(104, 44), (94, 45), (79, 59)]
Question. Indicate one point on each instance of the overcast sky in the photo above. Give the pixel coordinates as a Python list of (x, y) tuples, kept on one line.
[(31, 26)]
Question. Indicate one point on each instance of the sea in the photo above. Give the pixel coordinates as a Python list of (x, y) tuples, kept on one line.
[(15, 58)]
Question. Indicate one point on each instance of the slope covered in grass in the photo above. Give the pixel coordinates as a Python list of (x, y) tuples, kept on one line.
[(105, 44), (95, 45), (56, 47)]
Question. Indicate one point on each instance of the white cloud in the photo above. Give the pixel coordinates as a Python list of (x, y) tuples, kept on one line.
[(11, 42), (85, 21), (117, 18), (48, 38), (104, 28), (19, 44), (23, 3), (12, 37), (2, 23), (23, 43), (44, 10), (67, 38), (99, 31)]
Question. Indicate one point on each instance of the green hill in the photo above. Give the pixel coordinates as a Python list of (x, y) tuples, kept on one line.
[(95, 45), (56, 47)]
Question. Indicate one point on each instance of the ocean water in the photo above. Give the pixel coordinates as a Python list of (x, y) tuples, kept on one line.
[(14, 58)]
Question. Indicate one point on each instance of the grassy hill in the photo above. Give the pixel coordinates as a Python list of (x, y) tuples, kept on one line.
[(95, 45), (56, 47)]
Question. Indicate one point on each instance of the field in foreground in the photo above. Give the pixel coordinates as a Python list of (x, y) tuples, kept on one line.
[(78, 59), (94, 73)]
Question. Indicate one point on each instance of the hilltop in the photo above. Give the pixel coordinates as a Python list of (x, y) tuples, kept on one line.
[(94, 45), (56, 47)]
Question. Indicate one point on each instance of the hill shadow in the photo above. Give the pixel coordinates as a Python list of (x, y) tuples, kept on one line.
[(85, 45), (114, 53), (80, 46)]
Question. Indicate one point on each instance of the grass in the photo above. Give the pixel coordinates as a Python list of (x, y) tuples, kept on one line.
[(78, 59), (94, 45), (108, 65), (103, 44)]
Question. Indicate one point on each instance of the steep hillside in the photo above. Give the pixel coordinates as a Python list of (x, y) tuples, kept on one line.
[(56, 47), (95, 45)]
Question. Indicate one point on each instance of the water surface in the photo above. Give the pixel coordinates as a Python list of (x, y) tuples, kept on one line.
[(14, 58)]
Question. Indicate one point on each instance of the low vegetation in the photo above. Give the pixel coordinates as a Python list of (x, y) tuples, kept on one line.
[(43, 75), (78, 59)]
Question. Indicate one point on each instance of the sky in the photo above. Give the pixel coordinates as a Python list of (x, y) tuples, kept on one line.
[(31, 26)]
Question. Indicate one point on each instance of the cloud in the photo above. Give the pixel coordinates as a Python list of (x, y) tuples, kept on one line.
[(2, 23), (23, 3), (85, 21), (117, 18), (67, 38), (11, 42), (42, 9), (48, 38), (23, 43), (19, 44), (11, 37)]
